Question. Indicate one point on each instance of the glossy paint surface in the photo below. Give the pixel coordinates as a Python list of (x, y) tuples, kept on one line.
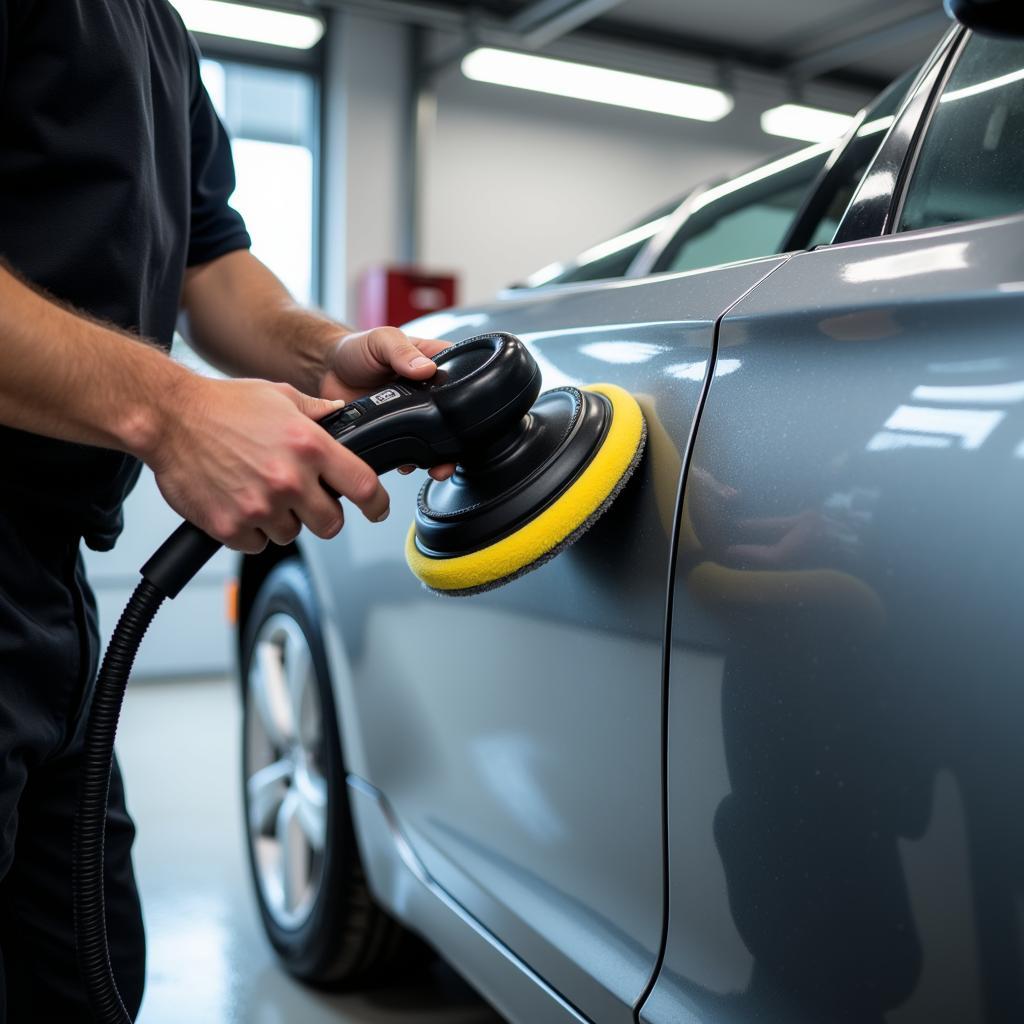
[(516, 735), (846, 685)]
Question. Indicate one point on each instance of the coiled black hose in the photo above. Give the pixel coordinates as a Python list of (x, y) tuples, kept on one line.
[(91, 812), (174, 563)]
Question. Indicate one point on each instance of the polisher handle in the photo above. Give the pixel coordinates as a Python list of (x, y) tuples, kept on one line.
[(189, 548), (482, 388)]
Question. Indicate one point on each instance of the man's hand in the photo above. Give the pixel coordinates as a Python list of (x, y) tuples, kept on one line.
[(242, 319), (244, 460), (365, 360)]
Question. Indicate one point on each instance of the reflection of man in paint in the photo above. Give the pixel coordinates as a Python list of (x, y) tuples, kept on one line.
[(808, 835)]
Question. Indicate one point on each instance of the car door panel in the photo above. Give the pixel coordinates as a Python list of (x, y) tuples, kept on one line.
[(844, 756), (517, 734)]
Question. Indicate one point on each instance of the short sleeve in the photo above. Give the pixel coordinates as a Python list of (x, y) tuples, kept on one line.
[(215, 227), (5, 17)]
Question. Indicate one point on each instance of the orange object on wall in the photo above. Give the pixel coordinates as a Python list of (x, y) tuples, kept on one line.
[(395, 295)]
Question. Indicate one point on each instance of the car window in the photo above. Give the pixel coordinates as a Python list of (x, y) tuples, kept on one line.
[(746, 217), (611, 258), (971, 163), (755, 229)]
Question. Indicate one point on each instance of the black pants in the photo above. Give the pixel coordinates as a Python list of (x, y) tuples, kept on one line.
[(48, 654)]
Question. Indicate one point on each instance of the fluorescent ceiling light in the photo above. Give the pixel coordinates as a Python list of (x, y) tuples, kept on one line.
[(980, 87), (254, 24), (809, 124), (600, 85), (880, 124)]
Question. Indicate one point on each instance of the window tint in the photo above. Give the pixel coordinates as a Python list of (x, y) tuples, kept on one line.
[(971, 163), (746, 217), (756, 229)]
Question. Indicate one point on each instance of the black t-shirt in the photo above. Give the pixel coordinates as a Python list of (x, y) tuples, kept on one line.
[(114, 176)]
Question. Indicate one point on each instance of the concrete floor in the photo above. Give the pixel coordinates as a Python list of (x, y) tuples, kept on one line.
[(208, 960)]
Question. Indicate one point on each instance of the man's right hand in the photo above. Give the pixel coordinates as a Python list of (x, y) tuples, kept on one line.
[(244, 461)]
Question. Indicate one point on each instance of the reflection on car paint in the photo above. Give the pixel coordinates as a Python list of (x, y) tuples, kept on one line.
[(864, 599)]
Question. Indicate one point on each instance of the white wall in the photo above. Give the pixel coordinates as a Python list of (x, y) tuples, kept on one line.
[(513, 180), (516, 180)]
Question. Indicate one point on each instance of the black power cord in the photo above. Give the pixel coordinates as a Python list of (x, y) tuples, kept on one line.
[(181, 556), (91, 813)]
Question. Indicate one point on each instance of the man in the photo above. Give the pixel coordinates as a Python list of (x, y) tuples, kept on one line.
[(114, 179)]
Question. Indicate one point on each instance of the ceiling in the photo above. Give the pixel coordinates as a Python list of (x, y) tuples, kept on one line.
[(863, 43)]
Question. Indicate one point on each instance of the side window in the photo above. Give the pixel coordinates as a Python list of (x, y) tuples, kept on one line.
[(746, 217), (971, 163), (756, 229), (608, 259)]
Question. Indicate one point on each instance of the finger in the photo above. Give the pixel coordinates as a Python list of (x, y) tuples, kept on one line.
[(392, 347), (429, 346), (321, 513), (283, 529), (352, 478), (249, 541), (443, 472), (405, 470), (314, 408)]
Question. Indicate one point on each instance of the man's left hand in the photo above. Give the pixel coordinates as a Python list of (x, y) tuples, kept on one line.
[(364, 360)]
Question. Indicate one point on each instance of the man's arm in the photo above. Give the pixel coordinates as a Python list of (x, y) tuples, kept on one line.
[(243, 320), (241, 459)]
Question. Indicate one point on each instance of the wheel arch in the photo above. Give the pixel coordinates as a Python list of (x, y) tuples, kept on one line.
[(253, 571)]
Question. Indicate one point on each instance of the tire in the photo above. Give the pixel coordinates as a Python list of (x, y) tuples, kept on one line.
[(314, 902)]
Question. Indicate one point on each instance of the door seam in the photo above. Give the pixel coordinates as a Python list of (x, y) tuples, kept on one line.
[(667, 629)]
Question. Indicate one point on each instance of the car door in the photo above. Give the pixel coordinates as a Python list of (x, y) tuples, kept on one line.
[(845, 688), (516, 735)]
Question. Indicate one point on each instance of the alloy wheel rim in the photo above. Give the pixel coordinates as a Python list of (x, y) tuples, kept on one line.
[(286, 784)]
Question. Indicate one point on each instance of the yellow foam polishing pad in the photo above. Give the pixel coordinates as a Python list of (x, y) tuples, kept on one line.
[(559, 524)]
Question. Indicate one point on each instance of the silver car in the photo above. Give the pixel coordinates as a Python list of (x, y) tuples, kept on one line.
[(752, 749)]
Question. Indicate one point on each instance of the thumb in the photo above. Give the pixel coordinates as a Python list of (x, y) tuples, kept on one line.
[(393, 348)]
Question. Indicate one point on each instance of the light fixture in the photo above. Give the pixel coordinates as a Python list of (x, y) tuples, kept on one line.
[(808, 124), (980, 87), (600, 85), (254, 24)]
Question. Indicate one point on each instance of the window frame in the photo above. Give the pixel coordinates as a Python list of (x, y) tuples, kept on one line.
[(872, 210), (311, 63)]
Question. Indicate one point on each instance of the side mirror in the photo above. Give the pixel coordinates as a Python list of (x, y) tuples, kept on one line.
[(989, 17)]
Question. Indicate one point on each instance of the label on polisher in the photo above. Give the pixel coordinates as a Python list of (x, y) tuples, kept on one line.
[(388, 395)]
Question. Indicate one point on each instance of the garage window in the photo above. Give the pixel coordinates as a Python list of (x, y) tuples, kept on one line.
[(271, 116), (970, 164)]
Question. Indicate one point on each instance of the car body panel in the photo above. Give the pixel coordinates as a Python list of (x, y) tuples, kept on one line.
[(517, 734), (846, 683), (402, 883)]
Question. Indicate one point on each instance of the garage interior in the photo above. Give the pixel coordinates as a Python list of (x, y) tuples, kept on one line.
[(380, 138)]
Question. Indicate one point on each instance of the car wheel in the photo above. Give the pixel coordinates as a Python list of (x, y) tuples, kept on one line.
[(313, 898)]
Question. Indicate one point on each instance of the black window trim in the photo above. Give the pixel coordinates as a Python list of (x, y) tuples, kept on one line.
[(871, 212)]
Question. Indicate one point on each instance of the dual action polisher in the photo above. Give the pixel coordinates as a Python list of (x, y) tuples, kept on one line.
[(534, 472)]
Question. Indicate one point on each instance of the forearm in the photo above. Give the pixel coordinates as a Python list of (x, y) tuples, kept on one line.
[(69, 377), (243, 320)]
